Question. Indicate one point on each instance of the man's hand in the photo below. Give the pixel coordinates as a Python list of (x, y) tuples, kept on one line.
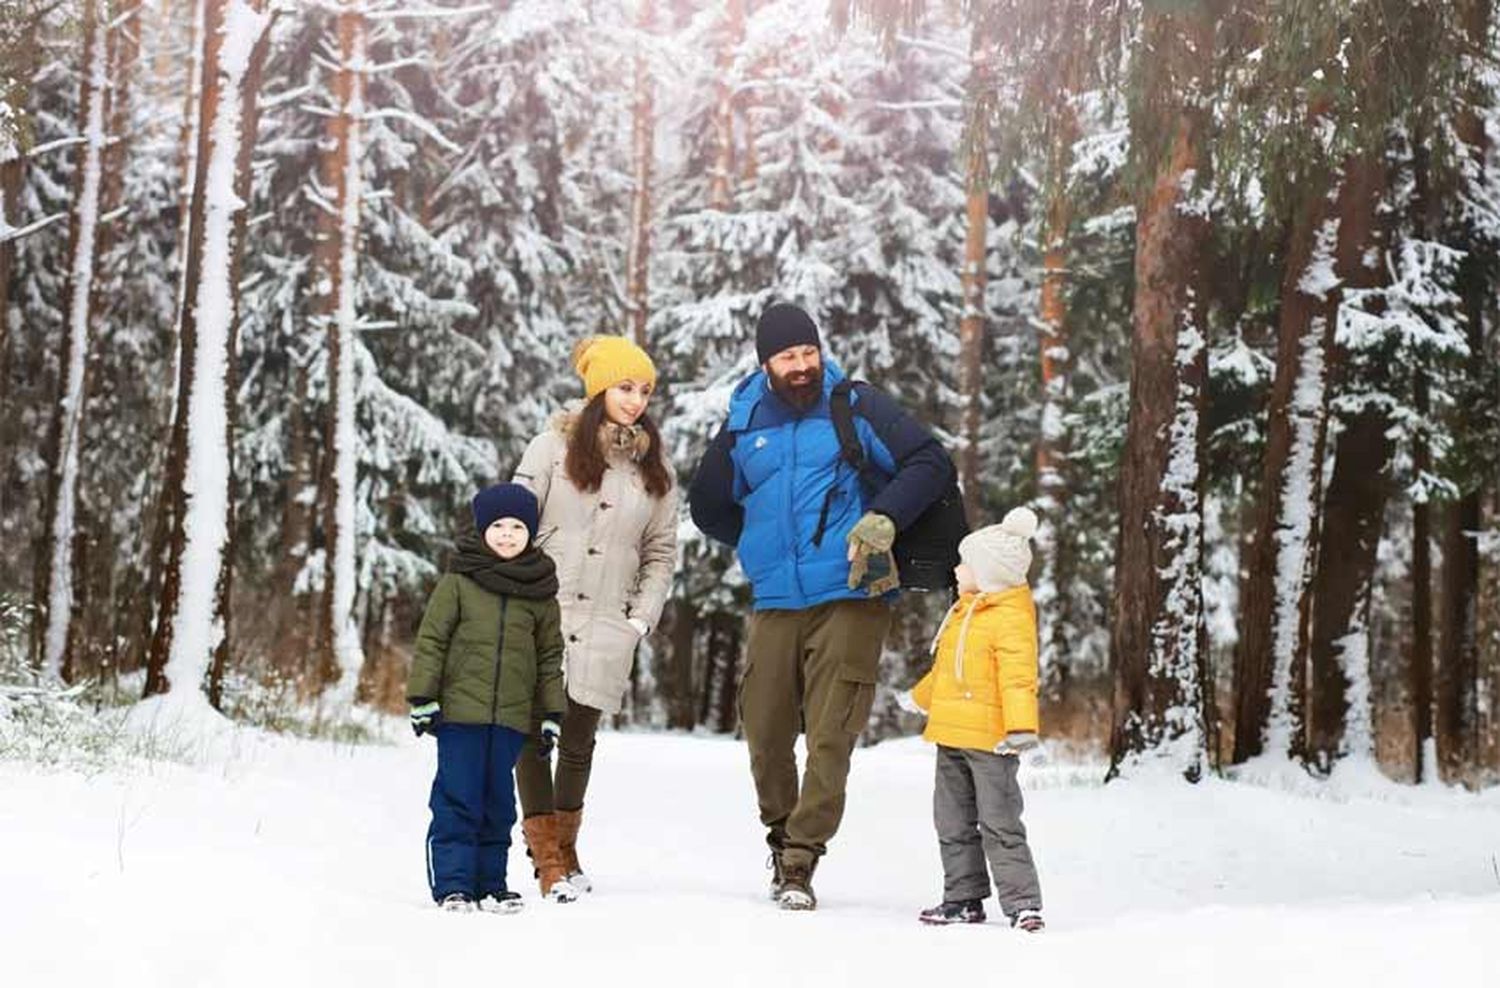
[(425, 715), (906, 702), (870, 539), (546, 738), (1016, 742)]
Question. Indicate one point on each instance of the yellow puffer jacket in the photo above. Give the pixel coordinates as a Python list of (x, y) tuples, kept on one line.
[(983, 681)]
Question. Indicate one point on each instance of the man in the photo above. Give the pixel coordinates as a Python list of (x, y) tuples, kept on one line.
[(816, 547)]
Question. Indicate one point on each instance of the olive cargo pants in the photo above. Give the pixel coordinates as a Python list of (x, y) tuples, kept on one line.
[(811, 671)]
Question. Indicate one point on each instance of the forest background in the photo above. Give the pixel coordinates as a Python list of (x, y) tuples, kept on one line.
[(1210, 284)]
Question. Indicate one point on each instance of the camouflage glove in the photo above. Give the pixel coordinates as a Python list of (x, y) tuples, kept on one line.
[(871, 563)]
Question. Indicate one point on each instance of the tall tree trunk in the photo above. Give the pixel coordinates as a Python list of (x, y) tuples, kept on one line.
[(1458, 659), (1348, 533), (54, 600), (643, 125), (1273, 643), (972, 276), (721, 178), (1421, 598), (1157, 633), (1053, 613), (339, 645), (192, 629), (152, 642)]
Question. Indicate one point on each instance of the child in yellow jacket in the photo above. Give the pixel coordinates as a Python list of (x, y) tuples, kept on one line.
[(980, 702)]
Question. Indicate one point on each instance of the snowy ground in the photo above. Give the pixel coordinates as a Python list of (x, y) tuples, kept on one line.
[(280, 862)]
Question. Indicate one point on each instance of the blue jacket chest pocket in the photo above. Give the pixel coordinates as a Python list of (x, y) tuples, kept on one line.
[(760, 455)]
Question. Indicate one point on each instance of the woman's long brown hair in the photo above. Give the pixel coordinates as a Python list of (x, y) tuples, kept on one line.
[(585, 460)]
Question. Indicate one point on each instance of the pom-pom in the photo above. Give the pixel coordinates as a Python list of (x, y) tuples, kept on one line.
[(1020, 522)]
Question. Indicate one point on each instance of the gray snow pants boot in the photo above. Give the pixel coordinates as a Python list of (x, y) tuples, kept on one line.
[(976, 805)]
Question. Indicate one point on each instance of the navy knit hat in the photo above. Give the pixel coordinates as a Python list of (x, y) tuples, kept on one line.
[(505, 501), (782, 326)]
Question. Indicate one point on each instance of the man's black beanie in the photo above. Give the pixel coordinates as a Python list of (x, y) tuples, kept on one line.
[(781, 326)]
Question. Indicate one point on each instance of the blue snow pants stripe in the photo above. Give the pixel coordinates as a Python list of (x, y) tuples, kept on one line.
[(473, 807)]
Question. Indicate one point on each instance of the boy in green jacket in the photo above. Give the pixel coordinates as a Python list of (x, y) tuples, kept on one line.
[(489, 652)]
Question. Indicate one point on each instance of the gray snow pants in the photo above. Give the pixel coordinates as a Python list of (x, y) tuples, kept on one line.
[(976, 805)]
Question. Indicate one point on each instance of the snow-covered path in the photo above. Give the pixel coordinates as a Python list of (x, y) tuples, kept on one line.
[(298, 863)]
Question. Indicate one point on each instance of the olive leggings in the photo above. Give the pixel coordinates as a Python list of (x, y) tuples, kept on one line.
[(575, 758)]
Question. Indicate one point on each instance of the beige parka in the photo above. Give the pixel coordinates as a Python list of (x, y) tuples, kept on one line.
[(615, 549)]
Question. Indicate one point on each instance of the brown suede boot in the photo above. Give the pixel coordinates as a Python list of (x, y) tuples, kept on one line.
[(568, 822), (541, 843)]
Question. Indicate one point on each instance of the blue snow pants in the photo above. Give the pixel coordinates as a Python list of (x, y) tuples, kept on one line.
[(473, 807)]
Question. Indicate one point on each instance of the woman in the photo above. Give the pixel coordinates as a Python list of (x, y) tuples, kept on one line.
[(609, 520)]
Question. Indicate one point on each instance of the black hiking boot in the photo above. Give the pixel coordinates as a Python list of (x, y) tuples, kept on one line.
[(947, 913)]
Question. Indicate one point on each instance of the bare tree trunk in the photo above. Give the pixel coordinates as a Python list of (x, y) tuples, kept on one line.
[(643, 125), (54, 585), (1460, 683), (1273, 643), (972, 276), (1353, 510), (720, 185), (1421, 599), (1487, 632), (339, 646), (1157, 634), (681, 708), (193, 633), (151, 643)]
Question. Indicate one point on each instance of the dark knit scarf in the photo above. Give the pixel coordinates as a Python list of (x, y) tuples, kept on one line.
[(532, 575)]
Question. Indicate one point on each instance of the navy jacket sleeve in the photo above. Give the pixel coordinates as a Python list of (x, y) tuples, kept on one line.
[(711, 496), (920, 468)]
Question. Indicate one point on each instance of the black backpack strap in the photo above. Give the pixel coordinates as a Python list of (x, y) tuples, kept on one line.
[(851, 450), (841, 410)]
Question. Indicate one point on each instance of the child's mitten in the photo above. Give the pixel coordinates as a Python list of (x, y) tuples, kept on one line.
[(1016, 742), (547, 738), (425, 715)]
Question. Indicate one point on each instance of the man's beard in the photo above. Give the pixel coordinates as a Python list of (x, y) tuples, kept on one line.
[(802, 390)]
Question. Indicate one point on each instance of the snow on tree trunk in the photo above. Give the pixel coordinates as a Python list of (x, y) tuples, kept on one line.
[(1157, 631), (233, 42), (1347, 535), (343, 654), (152, 641), (643, 125), (68, 421), (1421, 597), (1274, 642)]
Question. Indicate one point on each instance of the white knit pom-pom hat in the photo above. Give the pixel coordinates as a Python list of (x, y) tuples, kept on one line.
[(1000, 555)]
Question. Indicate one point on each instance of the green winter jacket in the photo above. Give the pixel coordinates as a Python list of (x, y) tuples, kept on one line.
[(488, 658)]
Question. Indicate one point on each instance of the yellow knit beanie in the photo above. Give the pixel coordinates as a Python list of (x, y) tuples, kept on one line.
[(604, 361)]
